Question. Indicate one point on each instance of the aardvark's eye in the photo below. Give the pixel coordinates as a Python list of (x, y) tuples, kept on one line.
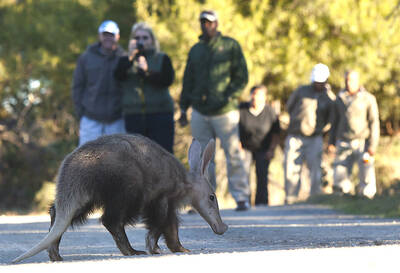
[(212, 197)]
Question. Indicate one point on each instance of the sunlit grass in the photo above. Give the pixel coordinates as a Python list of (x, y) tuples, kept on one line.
[(380, 206)]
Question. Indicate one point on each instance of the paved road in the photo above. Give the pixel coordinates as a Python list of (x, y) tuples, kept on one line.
[(297, 237)]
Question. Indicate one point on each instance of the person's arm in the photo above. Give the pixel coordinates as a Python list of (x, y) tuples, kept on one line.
[(78, 87), (163, 78), (291, 101), (373, 123), (121, 71), (187, 87), (239, 73), (275, 139), (328, 116), (334, 120)]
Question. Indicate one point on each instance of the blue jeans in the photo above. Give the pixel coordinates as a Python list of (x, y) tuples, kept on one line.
[(159, 127), (90, 129)]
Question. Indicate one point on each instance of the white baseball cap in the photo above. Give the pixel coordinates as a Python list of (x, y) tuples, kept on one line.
[(319, 73), (109, 26), (209, 15)]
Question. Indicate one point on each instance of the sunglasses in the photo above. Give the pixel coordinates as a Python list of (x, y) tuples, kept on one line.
[(144, 38)]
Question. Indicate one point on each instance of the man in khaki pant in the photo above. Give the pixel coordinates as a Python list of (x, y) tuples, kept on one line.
[(214, 78), (310, 109), (355, 133)]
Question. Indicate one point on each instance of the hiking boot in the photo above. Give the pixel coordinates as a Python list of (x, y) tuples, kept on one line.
[(242, 206), (336, 190)]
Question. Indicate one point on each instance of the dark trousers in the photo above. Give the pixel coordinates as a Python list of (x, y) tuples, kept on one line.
[(158, 127), (262, 165)]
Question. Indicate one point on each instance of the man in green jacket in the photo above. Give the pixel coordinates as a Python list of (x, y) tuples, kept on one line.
[(214, 78)]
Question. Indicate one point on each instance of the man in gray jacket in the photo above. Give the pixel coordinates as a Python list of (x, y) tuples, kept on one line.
[(96, 94), (310, 108), (355, 133)]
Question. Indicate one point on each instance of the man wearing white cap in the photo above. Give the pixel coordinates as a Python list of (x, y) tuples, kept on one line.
[(310, 109), (354, 136), (96, 94)]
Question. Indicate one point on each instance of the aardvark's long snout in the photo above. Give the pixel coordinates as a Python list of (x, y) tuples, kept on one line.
[(219, 228)]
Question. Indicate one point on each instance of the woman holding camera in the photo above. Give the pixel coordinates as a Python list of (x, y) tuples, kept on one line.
[(145, 74)]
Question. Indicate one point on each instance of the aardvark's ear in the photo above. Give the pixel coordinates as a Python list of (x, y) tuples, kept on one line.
[(207, 156), (194, 155)]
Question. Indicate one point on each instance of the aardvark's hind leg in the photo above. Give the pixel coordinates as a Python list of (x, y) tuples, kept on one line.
[(53, 249), (152, 240), (117, 231)]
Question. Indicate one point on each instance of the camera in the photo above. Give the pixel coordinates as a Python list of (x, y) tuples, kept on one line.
[(140, 48)]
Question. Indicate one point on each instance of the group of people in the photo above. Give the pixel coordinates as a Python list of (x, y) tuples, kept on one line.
[(352, 120), (115, 91), (119, 92)]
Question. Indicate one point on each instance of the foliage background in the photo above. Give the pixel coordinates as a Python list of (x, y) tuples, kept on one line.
[(281, 39)]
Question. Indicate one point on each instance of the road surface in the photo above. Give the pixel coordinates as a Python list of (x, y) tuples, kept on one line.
[(305, 238)]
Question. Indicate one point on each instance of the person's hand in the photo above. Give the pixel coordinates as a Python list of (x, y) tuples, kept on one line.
[(132, 48), (371, 152), (331, 149), (142, 63), (269, 155), (183, 121)]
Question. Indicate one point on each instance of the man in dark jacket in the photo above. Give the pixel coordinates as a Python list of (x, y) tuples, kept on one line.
[(95, 91), (215, 76)]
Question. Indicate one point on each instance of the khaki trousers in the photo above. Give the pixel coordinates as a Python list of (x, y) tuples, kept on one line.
[(347, 154), (226, 128), (299, 150)]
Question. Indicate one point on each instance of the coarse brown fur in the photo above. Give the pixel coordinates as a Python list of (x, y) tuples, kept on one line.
[(130, 178)]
